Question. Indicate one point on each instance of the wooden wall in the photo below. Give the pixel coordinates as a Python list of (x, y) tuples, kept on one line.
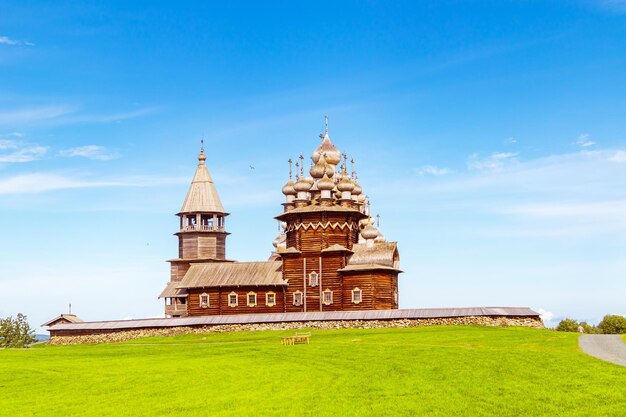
[(193, 245), (218, 301), (178, 270), (377, 286)]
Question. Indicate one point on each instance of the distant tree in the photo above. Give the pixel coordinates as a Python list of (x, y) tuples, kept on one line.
[(589, 328), (567, 325), (613, 325), (16, 332)]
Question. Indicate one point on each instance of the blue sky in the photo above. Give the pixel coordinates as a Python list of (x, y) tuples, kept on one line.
[(490, 137)]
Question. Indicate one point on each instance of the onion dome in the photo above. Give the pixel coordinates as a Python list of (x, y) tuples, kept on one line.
[(333, 156), (357, 190), (369, 232), (288, 188), (310, 180), (325, 184), (345, 184), (318, 170), (380, 238), (322, 167), (202, 156), (302, 185)]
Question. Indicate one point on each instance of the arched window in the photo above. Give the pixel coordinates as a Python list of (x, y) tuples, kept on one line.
[(204, 300), (233, 299), (314, 279), (357, 296)]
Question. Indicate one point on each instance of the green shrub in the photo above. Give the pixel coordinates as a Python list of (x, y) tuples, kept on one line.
[(16, 333), (613, 324), (567, 325)]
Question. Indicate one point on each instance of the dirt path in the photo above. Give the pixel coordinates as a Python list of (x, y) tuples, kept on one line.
[(608, 347)]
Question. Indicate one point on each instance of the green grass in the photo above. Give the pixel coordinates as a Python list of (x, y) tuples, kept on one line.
[(432, 371)]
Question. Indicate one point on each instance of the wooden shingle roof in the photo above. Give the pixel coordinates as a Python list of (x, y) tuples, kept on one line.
[(171, 290), (228, 274), (63, 318), (202, 195), (382, 253)]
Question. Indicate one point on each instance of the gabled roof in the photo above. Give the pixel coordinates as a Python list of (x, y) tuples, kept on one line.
[(70, 318), (336, 248), (233, 274), (171, 290), (202, 195), (382, 253)]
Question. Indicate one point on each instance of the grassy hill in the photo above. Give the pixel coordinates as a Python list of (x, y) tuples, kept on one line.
[(433, 371)]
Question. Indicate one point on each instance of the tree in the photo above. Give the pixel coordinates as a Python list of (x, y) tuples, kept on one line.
[(16, 332), (567, 325), (613, 325)]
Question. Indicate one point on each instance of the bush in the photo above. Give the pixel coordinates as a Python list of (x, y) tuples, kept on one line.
[(16, 333), (613, 325), (567, 325)]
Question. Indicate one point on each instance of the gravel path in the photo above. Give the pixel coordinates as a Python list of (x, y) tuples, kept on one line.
[(608, 347)]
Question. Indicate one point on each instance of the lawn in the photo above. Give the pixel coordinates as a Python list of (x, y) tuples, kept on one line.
[(430, 371)]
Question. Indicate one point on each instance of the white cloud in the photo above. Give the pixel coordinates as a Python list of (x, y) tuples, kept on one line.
[(13, 42), (11, 135), (42, 182), (546, 316), (618, 156), (33, 114), (496, 162), (113, 117), (39, 182), (560, 210), (510, 141), (583, 141), (96, 152), (65, 114), (20, 152), (432, 170), (578, 195)]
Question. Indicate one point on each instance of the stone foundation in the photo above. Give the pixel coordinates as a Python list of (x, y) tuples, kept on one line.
[(124, 335)]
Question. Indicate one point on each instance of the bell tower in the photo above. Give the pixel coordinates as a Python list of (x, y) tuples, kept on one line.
[(202, 233)]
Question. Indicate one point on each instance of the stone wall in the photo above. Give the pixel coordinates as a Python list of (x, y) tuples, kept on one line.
[(124, 335)]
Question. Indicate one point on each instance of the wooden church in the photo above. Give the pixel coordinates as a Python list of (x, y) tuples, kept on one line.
[(329, 255)]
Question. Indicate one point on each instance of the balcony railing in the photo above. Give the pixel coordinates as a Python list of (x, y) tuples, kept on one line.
[(202, 228), (176, 309)]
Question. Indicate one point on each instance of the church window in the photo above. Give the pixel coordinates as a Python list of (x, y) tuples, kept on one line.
[(204, 300), (357, 296), (313, 279), (251, 299), (327, 297), (270, 299), (233, 299), (297, 298)]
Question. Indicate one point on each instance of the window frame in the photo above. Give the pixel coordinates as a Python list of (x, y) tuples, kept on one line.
[(208, 301), (300, 295), (327, 291), (360, 298), (267, 302), (236, 303), (315, 275), (248, 303)]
